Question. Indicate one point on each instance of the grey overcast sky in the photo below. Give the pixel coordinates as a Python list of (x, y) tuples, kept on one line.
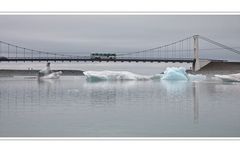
[(118, 33)]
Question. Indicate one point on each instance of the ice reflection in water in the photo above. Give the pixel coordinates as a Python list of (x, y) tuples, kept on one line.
[(73, 107)]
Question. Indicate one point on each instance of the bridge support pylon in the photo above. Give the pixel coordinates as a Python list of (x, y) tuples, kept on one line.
[(196, 64)]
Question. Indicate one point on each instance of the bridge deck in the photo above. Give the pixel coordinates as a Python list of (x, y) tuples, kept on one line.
[(187, 60)]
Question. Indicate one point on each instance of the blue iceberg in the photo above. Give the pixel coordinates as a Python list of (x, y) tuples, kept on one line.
[(175, 73)]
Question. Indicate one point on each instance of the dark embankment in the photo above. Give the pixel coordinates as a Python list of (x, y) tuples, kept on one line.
[(9, 72), (220, 68)]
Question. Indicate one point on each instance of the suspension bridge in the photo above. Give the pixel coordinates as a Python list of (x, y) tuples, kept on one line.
[(185, 50)]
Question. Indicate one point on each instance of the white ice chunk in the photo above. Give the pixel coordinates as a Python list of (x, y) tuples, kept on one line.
[(54, 75), (230, 77), (113, 76)]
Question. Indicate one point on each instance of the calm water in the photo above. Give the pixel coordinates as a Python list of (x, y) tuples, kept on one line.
[(73, 107)]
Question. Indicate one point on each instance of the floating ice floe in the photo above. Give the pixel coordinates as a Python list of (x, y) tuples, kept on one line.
[(156, 77), (171, 74), (229, 78), (113, 75), (47, 73), (54, 75)]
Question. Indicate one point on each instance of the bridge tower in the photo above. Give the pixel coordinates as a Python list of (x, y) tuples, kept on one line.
[(196, 64)]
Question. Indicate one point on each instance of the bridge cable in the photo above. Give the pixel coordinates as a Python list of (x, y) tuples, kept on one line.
[(32, 50), (220, 45), (152, 49)]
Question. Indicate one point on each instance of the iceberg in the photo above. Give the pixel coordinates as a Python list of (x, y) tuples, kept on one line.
[(229, 78), (171, 74), (47, 73), (175, 73), (54, 75), (156, 77), (113, 76)]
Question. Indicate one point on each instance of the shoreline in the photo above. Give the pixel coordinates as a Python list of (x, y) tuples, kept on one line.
[(14, 72)]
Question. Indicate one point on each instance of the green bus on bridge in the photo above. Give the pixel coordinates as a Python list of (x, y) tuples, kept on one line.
[(99, 56)]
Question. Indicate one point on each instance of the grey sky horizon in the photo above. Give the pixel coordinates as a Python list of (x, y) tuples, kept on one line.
[(117, 33)]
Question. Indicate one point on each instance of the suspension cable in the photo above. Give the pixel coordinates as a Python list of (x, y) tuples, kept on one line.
[(220, 45), (151, 49)]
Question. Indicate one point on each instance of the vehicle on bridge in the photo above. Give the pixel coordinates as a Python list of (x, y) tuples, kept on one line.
[(99, 56)]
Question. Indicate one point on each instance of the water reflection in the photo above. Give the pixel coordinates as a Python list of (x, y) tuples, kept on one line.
[(102, 94), (195, 102), (20, 95), (138, 107), (23, 95), (182, 96), (107, 92)]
